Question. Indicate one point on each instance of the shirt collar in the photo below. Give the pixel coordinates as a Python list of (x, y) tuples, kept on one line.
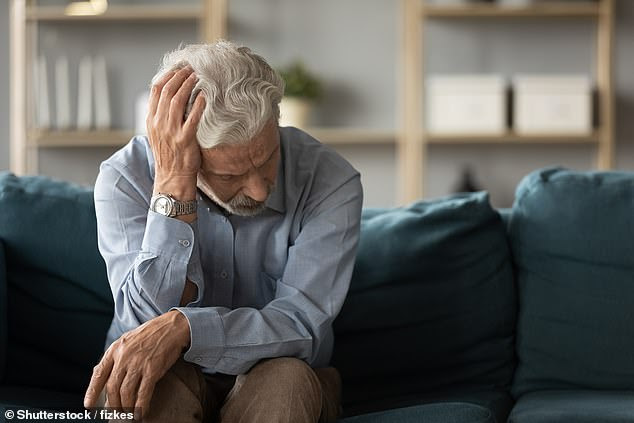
[(277, 199)]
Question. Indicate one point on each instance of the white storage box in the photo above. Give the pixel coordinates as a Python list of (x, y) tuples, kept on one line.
[(466, 104), (552, 104)]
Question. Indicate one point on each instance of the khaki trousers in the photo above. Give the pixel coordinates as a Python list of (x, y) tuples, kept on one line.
[(273, 391)]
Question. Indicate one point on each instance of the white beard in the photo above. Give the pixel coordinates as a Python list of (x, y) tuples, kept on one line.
[(240, 204)]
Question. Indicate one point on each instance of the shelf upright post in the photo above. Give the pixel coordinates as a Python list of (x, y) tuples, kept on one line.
[(605, 82), (411, 147), (213, 24), (17, 144)]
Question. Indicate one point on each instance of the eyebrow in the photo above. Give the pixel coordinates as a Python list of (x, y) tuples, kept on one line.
[(244, 173)]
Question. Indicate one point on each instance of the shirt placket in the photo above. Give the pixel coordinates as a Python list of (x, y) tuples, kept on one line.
[(223, 266)]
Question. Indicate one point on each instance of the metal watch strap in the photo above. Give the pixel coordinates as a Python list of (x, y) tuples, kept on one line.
[(185, 207)]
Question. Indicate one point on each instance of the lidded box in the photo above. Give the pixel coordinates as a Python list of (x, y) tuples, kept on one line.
[(466, 104), (552, 104)]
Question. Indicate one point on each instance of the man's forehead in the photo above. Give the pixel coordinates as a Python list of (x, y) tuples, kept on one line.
[(239, 158)]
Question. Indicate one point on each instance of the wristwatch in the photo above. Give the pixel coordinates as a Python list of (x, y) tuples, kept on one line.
[(166, 205)]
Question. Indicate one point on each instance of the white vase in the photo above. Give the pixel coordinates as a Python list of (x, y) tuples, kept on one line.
[(294, 111)]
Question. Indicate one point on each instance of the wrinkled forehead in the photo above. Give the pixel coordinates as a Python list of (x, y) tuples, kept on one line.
[(238, 159)]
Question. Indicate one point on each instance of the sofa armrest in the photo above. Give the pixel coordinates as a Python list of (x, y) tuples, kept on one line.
[(3, 312)]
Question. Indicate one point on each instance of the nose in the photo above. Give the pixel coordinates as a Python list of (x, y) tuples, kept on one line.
[(256, 187)]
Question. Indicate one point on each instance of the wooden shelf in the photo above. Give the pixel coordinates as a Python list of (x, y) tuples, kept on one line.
[(541, 10), (352, 136), (512, 138), (118, 13), (210, 17), (52, 138), (115, 138)]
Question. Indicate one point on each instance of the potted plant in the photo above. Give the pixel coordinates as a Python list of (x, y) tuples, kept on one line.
[(302, 89)]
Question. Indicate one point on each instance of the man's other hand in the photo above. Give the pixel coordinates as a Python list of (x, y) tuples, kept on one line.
[(135, 362)]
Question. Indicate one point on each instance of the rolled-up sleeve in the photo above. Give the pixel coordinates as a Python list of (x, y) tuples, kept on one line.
[(148, 256), (308, 296)]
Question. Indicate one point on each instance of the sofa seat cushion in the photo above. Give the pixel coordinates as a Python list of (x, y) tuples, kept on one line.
[(498, 402), (451, 412), (35, 398), (3, 311), (574, 406), (431, 302), (572, 235)]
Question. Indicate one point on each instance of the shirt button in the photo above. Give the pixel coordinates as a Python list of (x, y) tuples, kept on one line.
[(184, 242), (223, 274), (209, 209)]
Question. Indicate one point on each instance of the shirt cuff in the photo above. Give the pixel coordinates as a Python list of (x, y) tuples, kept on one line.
[(173, 240), (207, 336), (195, 269)]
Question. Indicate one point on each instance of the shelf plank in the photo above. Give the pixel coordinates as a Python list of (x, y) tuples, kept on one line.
[(333, 136), (109, 138), (352, 136), (118, 13), (114, 138), (538, 10), (512, 138)]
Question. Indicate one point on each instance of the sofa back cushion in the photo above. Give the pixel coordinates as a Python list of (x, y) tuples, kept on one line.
[(431, 303), (572, 237), (59, 301)]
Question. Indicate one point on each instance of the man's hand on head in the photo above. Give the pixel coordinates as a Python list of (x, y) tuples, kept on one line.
[(172, 137), (135, 362)]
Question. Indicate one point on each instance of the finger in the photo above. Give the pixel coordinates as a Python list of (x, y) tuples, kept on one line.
[(100, 375), (129, 388), (179, 101), (144, 397), (169, 90), (191, 124), (155, 92), (113, 387)]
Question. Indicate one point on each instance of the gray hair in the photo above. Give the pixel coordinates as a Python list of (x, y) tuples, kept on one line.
[(241, 90)]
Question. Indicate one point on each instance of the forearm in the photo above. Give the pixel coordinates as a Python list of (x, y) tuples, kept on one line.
[(163, 269), (182, 188), (232, 341)]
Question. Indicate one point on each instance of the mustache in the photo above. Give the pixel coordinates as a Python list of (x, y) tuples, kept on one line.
[(244, 201), (244, 205)]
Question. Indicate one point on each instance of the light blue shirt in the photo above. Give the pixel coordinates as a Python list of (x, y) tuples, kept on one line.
[(268, 286)]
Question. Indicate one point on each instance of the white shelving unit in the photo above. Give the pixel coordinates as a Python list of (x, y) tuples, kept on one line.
[(26, 16), (414, 139)]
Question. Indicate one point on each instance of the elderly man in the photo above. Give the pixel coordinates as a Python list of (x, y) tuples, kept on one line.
[(229, 244)]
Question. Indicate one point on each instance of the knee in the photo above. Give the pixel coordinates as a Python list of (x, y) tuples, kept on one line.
[(179, 395), (287, 368), (291, 375), (189, 374)]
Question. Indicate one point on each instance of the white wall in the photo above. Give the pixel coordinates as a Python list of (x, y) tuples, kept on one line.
[(4, 84), (353, 45)]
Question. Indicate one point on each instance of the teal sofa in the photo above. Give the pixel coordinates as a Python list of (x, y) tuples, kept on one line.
[(457, 312)]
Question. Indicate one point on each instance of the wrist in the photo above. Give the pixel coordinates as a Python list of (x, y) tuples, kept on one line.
[(181, 187), (182, 331)]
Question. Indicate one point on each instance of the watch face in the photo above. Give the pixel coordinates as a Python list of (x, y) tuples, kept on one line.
[(163, 205)]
